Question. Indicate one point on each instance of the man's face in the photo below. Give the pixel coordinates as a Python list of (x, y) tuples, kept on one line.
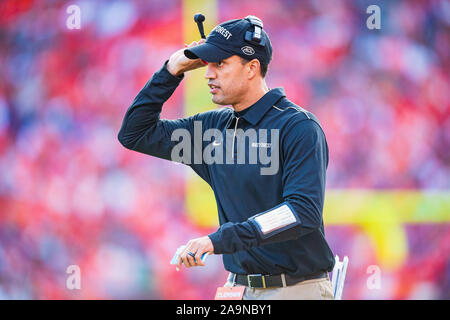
[(227, 80)]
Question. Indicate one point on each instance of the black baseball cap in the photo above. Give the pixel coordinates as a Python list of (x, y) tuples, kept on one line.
[(243, 37)]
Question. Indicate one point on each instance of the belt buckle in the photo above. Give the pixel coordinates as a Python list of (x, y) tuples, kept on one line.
[(253, 276)]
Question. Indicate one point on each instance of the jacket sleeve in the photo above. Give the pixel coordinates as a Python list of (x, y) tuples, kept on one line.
[(305, 153), (143, 131)]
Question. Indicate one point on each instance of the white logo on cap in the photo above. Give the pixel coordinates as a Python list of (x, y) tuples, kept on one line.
[(248, 50), (224, 32)]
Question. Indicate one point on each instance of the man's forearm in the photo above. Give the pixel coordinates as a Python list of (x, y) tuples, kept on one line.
[(144, 112), (278, 224)]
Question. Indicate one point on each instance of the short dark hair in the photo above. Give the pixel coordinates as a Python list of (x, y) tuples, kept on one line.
[(264, 66)]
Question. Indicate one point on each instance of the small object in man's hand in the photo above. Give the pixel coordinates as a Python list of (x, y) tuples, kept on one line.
[(180, 250)]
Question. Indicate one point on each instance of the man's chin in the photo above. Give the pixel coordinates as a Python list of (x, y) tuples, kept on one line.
[(219, 100)]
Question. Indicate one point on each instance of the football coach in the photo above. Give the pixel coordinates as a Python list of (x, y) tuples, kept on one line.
[(271, 232)]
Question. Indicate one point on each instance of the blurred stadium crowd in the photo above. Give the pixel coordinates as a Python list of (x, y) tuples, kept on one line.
[(70, 194)]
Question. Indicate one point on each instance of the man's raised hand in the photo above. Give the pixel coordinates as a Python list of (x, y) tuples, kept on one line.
[(179, 63)]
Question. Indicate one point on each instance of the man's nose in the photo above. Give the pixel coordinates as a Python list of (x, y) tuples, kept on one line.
[(210, 72)]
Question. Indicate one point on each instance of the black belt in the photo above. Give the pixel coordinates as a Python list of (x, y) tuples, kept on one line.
[(266, 281)]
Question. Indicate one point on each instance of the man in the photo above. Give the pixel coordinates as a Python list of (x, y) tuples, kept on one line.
[(271, 230)]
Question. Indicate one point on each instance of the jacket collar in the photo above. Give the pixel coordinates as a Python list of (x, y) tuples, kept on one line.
[(257, 111)]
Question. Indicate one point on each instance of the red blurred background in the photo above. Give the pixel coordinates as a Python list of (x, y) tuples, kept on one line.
[(70, 194)]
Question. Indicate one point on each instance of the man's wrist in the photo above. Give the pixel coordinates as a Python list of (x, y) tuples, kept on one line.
[(214, 237), (175, 73)]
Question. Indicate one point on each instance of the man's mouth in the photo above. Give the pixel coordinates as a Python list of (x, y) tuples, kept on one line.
[(213, 88)]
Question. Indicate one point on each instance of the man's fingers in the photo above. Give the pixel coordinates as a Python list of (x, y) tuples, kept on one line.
[(191, 256), (198, 258), (178, 267), (182, 260), (189, 261), (192, 259), (186, 262), (193, 44)]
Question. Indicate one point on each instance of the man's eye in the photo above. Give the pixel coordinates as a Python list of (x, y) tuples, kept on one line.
[(219, 64)]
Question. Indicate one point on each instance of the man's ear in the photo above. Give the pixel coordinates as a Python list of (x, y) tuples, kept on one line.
[(254, 67)]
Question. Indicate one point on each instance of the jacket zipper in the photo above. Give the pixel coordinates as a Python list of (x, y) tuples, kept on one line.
[(234, 137)]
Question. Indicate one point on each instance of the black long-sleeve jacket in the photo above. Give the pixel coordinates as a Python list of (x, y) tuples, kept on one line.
[(270, 214)]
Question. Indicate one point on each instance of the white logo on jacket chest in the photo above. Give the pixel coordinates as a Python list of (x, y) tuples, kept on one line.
[(261, 144), (230, 146)]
